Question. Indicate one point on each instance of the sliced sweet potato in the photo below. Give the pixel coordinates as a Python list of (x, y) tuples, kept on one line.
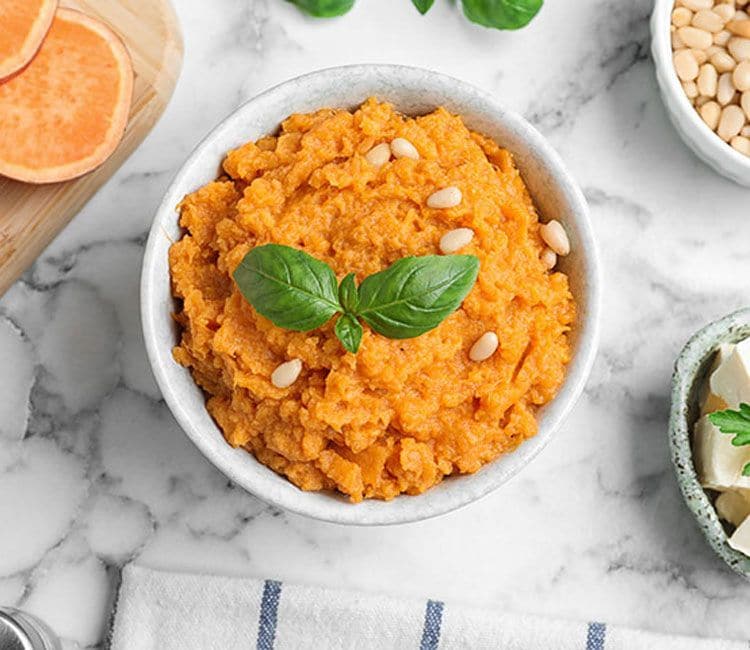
[(23, 26), (65, 113)]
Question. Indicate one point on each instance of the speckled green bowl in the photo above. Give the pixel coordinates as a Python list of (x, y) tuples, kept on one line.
[(690, 372)]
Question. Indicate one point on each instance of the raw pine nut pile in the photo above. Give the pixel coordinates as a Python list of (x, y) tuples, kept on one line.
[(711, 44)]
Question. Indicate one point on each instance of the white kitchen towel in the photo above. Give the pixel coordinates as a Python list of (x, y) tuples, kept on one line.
[(158, 610)]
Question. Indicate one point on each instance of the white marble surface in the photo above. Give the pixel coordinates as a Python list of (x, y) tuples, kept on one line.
[(94, 472)]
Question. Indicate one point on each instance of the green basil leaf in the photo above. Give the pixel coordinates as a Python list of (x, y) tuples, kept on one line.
[(348, 296), (324, 8), (415, 294), (746, 470), (289, 287), (502, 14), (349, 332), (423, 6), (736, 423)]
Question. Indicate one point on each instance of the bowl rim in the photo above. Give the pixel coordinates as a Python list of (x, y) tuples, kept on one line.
[(689, 368), (417, 508), (661, 52)]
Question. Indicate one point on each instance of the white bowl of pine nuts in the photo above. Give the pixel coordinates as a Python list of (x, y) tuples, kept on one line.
[(701, 49)]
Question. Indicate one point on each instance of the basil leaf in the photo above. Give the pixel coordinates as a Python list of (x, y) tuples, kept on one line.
[(423, 6), (415, 294), (349, 332), (736, 423), (502, 14), (289, 287), (348, 296), (324, 8)]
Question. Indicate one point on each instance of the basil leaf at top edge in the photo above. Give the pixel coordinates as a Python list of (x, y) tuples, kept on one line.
[(324, 8), (349, 332), (348, 295), (415, 294), (423, 6), (502, 14), (289, 287)]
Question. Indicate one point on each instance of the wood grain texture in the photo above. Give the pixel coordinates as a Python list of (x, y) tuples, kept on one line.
[(31, 215)]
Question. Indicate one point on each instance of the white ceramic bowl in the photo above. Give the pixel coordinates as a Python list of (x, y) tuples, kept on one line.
[(413, 91), (703, 141)]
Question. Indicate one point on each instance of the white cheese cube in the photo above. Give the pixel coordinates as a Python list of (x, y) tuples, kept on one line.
[(733, 506), (740, 540), (731, 380), (718, 462), (711, 402)]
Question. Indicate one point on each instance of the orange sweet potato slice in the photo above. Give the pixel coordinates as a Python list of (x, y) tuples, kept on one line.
[(66, 112), (23, 26)]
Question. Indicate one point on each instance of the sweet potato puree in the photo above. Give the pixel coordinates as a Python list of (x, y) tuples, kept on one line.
[(401, 414)]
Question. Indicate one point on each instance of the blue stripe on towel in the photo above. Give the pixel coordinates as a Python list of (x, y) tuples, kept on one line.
[(269, 608), (433, 618), (596, 636)]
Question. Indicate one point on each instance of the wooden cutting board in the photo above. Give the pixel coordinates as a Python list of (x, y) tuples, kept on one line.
[(31, 215)]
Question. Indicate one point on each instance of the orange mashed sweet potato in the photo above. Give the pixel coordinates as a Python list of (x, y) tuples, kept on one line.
[(401, 414)]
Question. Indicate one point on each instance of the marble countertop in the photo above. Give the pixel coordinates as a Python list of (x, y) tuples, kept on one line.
[(94, 472)]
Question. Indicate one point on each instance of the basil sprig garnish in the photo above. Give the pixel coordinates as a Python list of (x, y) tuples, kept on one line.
[(298, 292), (499, 14)]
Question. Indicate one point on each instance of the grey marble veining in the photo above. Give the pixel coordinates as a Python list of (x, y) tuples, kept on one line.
[(94, 472)]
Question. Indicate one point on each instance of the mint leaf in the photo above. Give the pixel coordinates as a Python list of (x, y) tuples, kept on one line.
[(415, 294), (289, 287), (423, 6), (324, 8), (349, 332), (502, 14), (736, 423), (348, 296)]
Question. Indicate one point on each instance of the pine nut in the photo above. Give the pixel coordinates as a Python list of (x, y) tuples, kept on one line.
[(484, 347), (723, 62), (685, 65), (549, 258), (745, 103), (722, 38), (741, 144), (700, 56), (708, 21), (697, 5), (448, 197), (379, 154), (402, 148), (708, 79), (694, 37), (739, 48), (455, 240), (681, 16), (710, 112), (286, 374), (745, 131), (725, 89), (739, 27), (731, 122), (725, 12), (555, 237), (677, 43), (700, 100), (741, 76), (691, 90)]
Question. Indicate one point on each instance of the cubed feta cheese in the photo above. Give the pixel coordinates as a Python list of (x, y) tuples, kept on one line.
[(718, 462), (709, 401), (733, 506), (731, 380), (740, 540)]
